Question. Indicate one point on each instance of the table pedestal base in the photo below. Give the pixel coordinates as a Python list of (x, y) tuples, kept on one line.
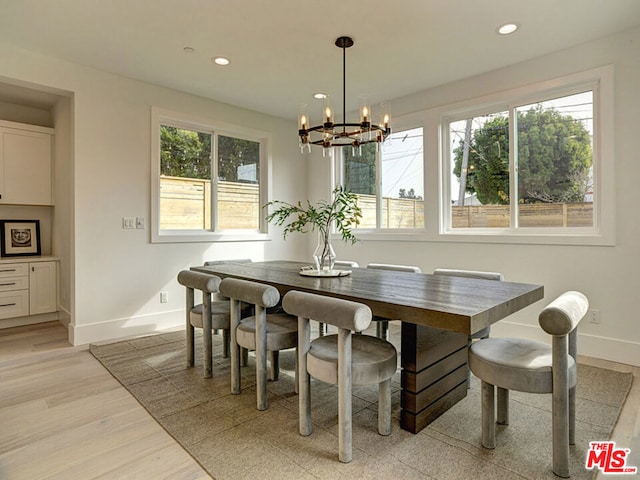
[(434, 374)]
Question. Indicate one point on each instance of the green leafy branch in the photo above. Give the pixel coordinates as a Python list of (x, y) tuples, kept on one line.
[(343, 211)]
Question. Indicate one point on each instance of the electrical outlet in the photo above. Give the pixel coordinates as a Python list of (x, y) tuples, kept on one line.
[(164, 297), (140, 223), (594, 316)]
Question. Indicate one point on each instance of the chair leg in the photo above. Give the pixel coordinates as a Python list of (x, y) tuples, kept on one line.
[(244, 356), (274, 360), (344, 397), (225, 343), (488, 416), (207, 339), (190, 345), (503, 406), (235, 348), (261, 359), (384, 407), (560, 406), (572, 416), (190, 333), (304, 380)]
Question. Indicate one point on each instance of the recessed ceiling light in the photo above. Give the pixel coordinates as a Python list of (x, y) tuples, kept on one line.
[(221, 61), (188, 49), (319, 95), (507, 28)]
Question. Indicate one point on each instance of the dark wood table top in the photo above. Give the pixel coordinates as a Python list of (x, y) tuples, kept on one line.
[(458, 304)]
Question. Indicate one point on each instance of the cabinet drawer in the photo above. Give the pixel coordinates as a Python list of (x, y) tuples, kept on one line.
[(14, 304), (14, 283), (8, 270)]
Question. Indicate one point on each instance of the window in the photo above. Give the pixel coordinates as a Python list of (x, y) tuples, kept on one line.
[(528, 165), (389, 181), (209, 181)]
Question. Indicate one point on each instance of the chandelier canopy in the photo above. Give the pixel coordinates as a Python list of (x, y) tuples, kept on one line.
[(330, 134)]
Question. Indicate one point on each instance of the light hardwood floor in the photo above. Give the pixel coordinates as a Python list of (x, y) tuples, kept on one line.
[(63, 416)]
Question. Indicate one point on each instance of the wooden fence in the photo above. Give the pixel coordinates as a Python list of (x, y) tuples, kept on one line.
[(185, 204), (534, 215)]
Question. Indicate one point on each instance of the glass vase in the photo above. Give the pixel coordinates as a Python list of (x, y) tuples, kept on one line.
[(324, 256)]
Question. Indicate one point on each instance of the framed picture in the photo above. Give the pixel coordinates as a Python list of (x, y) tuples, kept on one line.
[(19, 238)]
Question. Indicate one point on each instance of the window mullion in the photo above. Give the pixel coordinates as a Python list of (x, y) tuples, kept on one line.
[(214, 182), (513, 168)]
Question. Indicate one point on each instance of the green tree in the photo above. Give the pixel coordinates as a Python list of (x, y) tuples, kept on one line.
[(554, 158), (236, 152), (411, 194), (185, 153)]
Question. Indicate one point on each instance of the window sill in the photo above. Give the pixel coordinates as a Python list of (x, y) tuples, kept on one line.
[(202, 237)]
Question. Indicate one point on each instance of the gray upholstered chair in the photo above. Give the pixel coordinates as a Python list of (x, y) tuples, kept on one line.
[(207, 315), (218, 296), (382, 324), (261, 332), (534, 367), (346, 264), (343, 360), (485, 332)]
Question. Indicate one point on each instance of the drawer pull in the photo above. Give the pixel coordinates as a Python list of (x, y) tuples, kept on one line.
[(7, 305), (7, 284), (8, 270)]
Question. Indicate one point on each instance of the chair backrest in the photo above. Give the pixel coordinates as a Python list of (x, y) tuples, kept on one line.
[(199, 281), (335, 311), (469, 274), (250, 292), (222, 262), (345, 263), (563, 315), (397, 268)]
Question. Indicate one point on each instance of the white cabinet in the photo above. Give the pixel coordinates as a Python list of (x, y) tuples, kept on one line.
[(25, 164), (28, 288), (43, 291)]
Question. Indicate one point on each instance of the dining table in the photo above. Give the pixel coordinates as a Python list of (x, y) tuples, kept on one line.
[(437, 314)]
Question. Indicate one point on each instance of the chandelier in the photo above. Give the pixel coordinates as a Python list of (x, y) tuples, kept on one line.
[(330, 134)]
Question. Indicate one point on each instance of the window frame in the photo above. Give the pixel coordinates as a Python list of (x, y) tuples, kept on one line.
[(400, 123), (600, 82), (181, 120)]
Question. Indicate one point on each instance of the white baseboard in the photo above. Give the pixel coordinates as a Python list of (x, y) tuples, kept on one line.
[(604, 348), (125, 327)]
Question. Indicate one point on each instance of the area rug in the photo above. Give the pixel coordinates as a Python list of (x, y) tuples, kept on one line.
[(232, 440)]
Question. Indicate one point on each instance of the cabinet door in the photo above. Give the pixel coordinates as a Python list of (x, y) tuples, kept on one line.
[(43, 288), (25, 167)]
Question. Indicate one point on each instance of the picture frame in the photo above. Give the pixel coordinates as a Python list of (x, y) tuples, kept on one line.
[(19, 238)]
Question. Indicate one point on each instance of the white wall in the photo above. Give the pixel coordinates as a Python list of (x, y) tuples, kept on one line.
[(607, 275), (116, 275)]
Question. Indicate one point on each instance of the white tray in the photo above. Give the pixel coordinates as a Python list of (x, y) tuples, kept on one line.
[(325, 273)]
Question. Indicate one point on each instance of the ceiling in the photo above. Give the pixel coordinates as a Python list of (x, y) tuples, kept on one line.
[(282, 51)]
